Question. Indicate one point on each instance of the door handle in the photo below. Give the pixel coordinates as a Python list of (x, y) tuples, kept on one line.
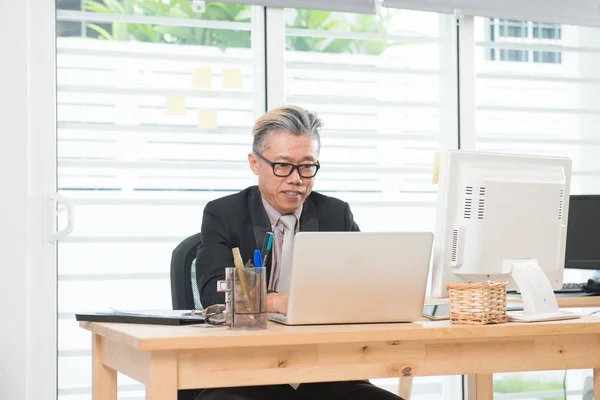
[(59, 204)]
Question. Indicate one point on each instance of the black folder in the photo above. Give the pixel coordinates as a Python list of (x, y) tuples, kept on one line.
[(142, 318)]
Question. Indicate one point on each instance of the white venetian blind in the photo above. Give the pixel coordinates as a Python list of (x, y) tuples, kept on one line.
[(155, 107), (385, 87), (356, 6), (538, 91)]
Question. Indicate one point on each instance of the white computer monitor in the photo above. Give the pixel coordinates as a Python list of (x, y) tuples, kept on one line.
[(503, 217)]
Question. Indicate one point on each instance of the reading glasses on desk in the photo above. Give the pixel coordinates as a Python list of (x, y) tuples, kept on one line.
[(214, 315)]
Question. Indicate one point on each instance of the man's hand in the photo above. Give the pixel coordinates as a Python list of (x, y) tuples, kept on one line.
[(277, 303)]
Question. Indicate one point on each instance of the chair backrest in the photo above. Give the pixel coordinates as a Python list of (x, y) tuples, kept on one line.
[(183, 276)]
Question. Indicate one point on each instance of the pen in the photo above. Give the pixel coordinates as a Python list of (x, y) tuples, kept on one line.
[(258, 280), (239, 266), (258, 263), (265, 243), (268, 247)]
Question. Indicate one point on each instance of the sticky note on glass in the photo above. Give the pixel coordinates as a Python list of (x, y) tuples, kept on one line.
[(175, 105), (207, 118), (436, 169), (202, 78), (232, 78)]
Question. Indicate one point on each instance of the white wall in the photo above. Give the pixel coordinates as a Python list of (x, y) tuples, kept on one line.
[(27, 287), (13, 197)]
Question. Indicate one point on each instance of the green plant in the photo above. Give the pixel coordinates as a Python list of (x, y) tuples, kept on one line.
[(223, 38), (327, 21)]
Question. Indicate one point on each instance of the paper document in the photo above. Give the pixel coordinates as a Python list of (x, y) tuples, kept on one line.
[(202, 78), (436, 169), (232, 79), (207, 118), (175, 105), (160, 313)]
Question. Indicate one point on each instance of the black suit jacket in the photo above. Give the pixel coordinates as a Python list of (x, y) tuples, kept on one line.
[(240, 220)]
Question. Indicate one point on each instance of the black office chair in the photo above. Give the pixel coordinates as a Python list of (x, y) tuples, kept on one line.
[(184, 287)]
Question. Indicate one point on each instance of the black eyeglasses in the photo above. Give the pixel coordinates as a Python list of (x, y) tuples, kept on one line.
[(286, 169), (213, 315)]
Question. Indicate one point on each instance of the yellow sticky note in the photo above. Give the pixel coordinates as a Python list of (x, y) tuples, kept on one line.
[(436, 169), (207, 118), (232, 78), (175, 105), (202, 78)]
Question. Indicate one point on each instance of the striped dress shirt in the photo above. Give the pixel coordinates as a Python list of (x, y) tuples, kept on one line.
[(278, 231)]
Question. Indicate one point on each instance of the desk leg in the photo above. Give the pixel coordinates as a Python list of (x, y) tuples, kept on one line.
[(596, 383), (405, 387), (480, 387), (162, 382), (104, 379)]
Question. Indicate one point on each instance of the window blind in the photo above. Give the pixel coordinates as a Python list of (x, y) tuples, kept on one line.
[(354, 6), (387, 95), (149, 131), (154, 119), (542, 95), (577, 12)]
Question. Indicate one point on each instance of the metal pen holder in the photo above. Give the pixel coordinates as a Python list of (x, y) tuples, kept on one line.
[(245, 298)]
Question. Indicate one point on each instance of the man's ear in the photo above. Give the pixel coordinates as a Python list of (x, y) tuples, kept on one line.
[(253, 161)]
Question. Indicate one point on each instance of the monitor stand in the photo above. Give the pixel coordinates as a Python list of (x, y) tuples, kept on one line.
[(537, 295)]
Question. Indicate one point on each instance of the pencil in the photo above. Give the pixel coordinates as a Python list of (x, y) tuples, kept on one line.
[(239, 266)]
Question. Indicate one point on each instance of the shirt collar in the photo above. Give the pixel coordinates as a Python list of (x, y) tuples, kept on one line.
[(274, 215)]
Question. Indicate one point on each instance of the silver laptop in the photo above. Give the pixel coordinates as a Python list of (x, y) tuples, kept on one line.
[(357, 277)]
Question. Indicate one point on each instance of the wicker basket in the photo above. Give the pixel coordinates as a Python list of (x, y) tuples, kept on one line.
[(478, 303)]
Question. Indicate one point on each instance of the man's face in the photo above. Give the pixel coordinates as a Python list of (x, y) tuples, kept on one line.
[(285, 194)]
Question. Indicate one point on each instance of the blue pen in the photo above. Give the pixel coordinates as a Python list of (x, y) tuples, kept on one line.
[(257, 259), (259, 280)]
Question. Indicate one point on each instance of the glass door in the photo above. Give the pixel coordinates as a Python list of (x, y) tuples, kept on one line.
[(537, 89), (155, 103), (387, 93)]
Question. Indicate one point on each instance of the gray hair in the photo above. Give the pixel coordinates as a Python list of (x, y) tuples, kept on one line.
[(289, 119)]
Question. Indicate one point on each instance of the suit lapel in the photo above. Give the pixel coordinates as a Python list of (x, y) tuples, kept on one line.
[(309, 221), (259, 218)]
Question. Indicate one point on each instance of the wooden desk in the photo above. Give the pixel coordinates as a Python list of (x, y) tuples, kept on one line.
[(563, 301), (571, 301), (169, 358), (482, 385)]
